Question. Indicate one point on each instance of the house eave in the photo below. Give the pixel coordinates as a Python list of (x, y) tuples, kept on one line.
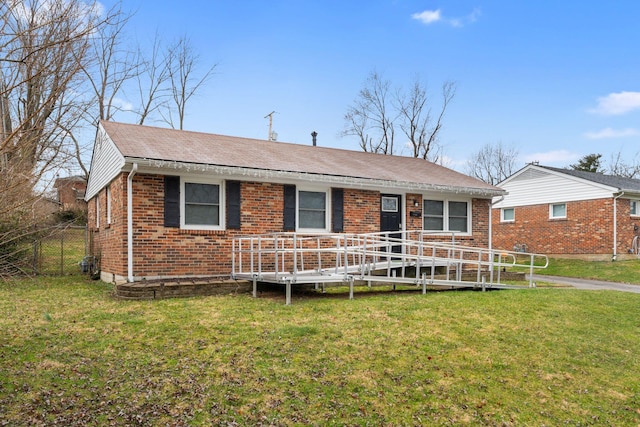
[(267, 175)]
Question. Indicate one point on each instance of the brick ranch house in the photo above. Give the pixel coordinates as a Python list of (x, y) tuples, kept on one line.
[(567, 213), (71, 191), (166, 203)]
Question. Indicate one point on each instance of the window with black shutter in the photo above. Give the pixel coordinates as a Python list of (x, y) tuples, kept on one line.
[(289, 208), (337, 210), (233, 204), (172, 201)]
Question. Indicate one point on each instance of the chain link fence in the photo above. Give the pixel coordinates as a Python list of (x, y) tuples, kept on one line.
[(61, 252)]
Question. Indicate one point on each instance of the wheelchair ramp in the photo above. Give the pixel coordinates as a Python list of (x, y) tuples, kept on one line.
[(416, 258)]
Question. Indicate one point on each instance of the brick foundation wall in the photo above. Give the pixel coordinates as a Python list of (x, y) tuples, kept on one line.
[(587, 230), (164, 252)]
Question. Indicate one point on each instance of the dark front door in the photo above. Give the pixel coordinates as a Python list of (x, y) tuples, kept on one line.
[(391, 216)]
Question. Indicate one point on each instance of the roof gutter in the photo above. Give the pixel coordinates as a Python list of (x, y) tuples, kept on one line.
[(273, 175), (615, 225), (130, 222)]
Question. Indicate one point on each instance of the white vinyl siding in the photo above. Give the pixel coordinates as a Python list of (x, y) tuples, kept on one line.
[(543, 187), (106, 164)]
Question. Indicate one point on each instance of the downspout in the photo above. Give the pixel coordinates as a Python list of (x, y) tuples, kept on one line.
[(491, 220), (491, 236), (615, 225), (130, 222)]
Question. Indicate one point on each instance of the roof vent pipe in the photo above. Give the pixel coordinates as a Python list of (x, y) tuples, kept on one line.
[(314, 134)]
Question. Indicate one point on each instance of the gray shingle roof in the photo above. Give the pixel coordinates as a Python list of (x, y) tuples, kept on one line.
[(621, 183), (152, 143)]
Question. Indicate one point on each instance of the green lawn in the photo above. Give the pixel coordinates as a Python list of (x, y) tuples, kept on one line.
[(73, 355), (627, 271)]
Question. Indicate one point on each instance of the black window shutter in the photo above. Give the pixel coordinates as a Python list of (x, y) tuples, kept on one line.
[(172, 201), (289, 208), (337, 210), (233, 204)]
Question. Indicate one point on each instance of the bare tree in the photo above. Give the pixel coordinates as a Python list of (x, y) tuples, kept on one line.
[(183, 62), (620, 168), (370, 118), (493, 163), (378, 111), (151, 81), (42, 44), (416, 118), (110, 66)]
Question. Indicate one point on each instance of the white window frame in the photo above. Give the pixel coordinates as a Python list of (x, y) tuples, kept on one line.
[(327, 204), (445, 219), (387, 198), (502, 219), (108, 205), (634, 205), (552, 216), (98, 211), (221, 200)]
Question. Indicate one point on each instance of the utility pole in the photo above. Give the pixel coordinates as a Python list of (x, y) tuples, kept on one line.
[(272, 135)]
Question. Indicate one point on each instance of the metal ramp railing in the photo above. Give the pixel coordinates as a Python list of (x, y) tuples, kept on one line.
[(400, 257)]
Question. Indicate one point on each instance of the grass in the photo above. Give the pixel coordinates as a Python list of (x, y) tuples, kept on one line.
[(73, 355), (627, 271), (61, 252)]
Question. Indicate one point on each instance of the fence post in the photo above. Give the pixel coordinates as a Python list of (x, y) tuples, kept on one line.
[(36, 245), (62, 252)]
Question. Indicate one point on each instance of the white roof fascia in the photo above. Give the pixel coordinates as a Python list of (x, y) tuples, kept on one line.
[(265, 175)]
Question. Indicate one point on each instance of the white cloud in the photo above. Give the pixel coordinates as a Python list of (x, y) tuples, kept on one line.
[(121, 104), (428, 17), (612, 133), (551, 157), (617, 103)]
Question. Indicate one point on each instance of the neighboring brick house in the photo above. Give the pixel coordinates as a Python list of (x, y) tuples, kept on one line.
[(567, 213), (71, 191), (167, 203)]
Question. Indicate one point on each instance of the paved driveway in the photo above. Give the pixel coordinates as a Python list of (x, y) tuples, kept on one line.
[(588, 284)]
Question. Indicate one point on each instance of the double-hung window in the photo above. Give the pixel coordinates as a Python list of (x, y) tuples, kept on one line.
[(312, 210), (635, 207), (202, 205), (446, 215), (433, 215)]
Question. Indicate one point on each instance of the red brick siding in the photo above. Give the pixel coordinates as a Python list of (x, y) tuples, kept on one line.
[(361, 211), (109, 241), (587, 230), (160, 251)]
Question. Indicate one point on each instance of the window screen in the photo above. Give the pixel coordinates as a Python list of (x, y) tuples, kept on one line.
[(201, 204), (312, 209)]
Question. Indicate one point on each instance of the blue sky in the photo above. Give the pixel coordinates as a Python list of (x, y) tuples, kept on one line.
[(554, 79)]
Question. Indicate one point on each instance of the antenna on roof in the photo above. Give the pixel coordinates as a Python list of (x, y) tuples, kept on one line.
[(273, 136)]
